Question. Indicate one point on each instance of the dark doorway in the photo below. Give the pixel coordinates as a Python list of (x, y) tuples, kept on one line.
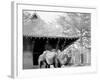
[(38, 49)]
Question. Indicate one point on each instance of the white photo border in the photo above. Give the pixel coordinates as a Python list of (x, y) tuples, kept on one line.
[(17, 52)]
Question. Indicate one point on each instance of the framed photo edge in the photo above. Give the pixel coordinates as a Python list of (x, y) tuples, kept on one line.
[(15, 72)]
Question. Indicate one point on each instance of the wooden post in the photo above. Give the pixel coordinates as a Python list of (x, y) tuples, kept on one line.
[(33, 44)]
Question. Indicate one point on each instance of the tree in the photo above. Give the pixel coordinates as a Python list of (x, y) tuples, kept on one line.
[(68, 27), (77, 21)]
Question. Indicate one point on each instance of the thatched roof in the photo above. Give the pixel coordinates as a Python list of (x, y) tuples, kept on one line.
[(35, 26)]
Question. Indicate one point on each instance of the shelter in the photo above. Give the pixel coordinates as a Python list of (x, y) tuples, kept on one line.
[(39, 36)]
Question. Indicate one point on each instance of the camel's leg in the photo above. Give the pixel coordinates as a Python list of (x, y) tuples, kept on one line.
[(40, 65), (55, 63), (58, 63), (46, 64)]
